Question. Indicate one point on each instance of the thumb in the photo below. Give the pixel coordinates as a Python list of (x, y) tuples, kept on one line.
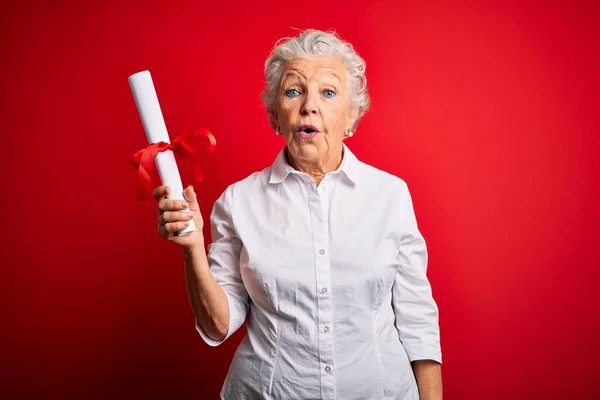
[(190, 196)]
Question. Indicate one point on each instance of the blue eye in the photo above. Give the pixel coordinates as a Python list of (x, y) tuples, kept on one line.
[(329, 93), (292, 93)]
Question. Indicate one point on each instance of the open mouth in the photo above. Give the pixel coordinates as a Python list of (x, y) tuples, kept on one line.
[(307, 129)]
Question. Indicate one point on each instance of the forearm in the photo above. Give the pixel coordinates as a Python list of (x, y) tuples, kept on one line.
[(429, 379), (206, 297)]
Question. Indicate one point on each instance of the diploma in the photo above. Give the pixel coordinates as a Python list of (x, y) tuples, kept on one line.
[(156, 131)]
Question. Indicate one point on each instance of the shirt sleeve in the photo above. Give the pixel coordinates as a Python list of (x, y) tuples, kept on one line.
[(224, 260), (412, 300)]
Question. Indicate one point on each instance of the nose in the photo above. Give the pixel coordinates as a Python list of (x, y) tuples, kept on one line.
[(309, 107)]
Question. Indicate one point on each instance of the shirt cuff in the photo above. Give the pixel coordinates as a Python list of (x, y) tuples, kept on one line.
[(237, 316), (207, 339), (424, 352)]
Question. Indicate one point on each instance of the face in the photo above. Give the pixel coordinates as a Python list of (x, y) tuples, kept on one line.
[(313, 109)]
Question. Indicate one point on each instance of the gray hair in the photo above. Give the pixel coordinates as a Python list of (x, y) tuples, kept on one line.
[(314, 43)]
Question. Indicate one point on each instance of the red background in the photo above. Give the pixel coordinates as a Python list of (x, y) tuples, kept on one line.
[(489, 111)]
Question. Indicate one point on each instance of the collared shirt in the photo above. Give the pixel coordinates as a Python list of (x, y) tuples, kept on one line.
[(331, 280)]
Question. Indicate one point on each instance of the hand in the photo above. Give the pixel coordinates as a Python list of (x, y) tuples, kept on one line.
[(173, 218)]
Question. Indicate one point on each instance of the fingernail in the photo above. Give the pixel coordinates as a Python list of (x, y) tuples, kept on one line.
[(190, 215), (184, 206)]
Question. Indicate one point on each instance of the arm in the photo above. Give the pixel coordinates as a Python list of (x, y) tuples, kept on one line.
[(207, 299), (429, 379), (414, 307), (216, 292)]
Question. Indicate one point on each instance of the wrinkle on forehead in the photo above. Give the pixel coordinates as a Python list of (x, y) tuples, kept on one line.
[(298, 70)]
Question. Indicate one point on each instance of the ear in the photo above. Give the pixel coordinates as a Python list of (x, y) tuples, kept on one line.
[(273, 119), (353, 117)]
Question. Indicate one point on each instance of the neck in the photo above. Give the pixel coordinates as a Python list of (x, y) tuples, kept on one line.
[(317, 171)]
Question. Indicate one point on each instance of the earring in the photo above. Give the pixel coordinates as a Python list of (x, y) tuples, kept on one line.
[(349, 133), (277, 131)]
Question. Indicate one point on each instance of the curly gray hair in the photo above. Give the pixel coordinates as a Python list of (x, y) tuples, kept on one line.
[(311, 43)]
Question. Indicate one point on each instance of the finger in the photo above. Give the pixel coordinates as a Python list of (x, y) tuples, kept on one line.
[(162, 231), (173, 227), (161, 192), (172, 205), (190, 195), (174, 216)]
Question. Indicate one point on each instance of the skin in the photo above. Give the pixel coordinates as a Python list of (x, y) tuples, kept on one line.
[(206, 297), (429, 379), (312, 91)]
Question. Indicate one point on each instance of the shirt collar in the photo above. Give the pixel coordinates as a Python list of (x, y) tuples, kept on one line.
[(349, 166)]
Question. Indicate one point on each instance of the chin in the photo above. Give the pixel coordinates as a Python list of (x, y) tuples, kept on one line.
[(304, 149)]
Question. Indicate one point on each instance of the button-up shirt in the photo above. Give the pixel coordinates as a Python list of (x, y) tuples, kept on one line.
[(331, 281)]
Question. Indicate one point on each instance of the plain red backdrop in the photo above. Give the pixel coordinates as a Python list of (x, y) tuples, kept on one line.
[(489, 111)]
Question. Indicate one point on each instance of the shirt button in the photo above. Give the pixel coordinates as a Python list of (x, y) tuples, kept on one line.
[(326, 329), (327, 368), (324, 290), (321, 251)]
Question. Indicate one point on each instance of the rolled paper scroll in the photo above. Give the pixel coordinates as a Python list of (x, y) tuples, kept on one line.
[(146, 100)]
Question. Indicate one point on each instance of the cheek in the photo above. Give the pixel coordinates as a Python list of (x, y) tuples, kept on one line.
[(335, 115), (287, 111)]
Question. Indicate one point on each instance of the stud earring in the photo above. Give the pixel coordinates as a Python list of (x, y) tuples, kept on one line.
[(277, 131), (349, 133)]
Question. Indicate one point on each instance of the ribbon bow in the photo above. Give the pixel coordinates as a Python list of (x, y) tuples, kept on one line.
[(182, 146)]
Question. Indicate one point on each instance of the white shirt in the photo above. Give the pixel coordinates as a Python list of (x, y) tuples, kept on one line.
[(331, 281)]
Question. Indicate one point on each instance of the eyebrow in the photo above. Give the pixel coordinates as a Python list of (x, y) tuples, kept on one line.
[(332, 73), (294, 75)]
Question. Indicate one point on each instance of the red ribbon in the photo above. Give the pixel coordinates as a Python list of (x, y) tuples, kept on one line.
[(182, 146)]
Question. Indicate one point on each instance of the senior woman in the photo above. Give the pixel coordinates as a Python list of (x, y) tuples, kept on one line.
[(319, 253)]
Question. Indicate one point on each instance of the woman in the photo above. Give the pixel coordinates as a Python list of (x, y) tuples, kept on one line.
[(319, 253)]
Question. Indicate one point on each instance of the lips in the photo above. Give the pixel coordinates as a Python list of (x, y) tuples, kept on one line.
[(308, 129)]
